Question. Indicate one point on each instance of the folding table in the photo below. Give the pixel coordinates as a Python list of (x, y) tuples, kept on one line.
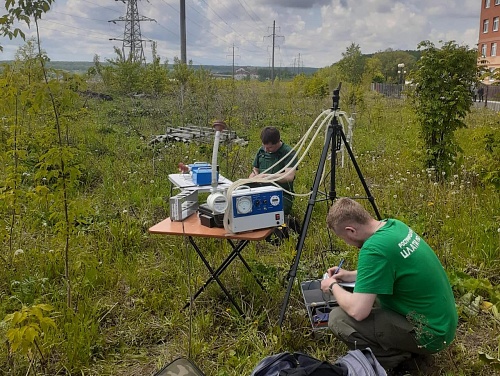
[(192, 228)]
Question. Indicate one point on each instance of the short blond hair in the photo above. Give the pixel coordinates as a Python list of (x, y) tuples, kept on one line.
[(346, 211)]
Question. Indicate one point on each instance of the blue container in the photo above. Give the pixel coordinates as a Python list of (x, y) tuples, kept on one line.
[(203, 176), (196, 165), (201, 173)]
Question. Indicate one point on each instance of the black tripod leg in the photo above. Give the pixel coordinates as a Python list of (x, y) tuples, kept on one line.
[(334, 136), (305, 225), (360, 175)]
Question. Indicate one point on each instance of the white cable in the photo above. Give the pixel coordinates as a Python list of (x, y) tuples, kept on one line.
[(270, 179), (325, 117)]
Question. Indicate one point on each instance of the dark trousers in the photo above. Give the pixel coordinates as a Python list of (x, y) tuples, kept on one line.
[(388, 334)]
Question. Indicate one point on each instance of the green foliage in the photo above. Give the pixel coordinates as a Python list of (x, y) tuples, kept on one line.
[(491, 162), (155, 77), (442, 99), (464, 283), (389, 60), (27, 326), (21, 11), (182, 72), (316, 86), (352, 65), (123, 75), (372, 72), (129, 286)]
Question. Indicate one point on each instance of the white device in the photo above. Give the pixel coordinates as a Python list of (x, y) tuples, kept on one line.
[(217, 202), (183, 205), (256, 208)]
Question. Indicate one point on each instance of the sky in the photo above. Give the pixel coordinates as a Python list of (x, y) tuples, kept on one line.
[(306, 33)]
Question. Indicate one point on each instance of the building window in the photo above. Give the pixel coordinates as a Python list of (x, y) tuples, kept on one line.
[(486, 24), (486, 3), (493, 49), (495, 23), (497, 2), (483, 51)]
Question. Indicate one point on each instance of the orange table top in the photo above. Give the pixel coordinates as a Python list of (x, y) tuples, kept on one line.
[(192, 226)]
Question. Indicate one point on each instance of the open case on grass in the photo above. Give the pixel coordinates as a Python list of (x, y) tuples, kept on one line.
[(318, 303)]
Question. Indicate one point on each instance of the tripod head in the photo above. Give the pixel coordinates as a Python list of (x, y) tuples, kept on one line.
[(336, 98)]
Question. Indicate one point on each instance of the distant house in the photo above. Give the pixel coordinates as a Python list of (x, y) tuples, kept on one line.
[(243, 74)]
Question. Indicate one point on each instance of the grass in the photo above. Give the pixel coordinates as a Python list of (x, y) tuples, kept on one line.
[(129, 286)]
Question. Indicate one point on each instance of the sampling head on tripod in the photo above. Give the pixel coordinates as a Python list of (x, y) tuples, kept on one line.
[(336, 97)]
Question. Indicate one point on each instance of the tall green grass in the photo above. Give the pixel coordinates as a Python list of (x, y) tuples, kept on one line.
[(129, 286)]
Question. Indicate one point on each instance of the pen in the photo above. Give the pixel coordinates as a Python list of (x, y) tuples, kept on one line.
[(340, 265)]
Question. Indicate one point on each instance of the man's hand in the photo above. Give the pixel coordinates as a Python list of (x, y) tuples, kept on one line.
[(325, 284), (342, 275)]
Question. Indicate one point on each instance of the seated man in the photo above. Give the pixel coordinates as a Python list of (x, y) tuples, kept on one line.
[(402, 304), (271, 151)]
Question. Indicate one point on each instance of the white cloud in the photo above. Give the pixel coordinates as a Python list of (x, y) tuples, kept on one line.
[(314, 31)]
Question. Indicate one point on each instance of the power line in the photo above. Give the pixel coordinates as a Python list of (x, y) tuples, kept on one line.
[(224, 21), (73, 27), (246, 11), (75, 16), (101, 6)]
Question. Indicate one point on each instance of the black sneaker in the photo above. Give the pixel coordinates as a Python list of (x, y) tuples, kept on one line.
[(293, 224), (279, 234)]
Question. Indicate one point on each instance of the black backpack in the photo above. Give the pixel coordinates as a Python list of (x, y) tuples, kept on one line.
[(296, 364), (354, 363)]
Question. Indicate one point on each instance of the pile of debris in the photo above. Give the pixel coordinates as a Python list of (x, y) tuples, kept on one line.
[(192, 133)]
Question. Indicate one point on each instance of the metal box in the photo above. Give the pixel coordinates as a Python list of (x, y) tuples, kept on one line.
[(256, 208), (318, 303), (183, 205)]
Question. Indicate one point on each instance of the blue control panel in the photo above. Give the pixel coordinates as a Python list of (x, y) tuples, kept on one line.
[(255, 208)]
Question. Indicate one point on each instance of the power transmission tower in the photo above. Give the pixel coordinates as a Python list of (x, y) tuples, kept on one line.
[(132, 38), (274, 41)]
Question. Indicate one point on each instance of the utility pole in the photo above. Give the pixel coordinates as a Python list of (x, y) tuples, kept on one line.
[(233, 60), (272, 66), (132, 39), (183, 31), (274, 41)]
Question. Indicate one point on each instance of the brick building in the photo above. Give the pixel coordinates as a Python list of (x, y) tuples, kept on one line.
[(489, 34)]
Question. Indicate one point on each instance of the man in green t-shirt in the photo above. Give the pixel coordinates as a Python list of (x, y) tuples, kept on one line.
[(274, 150), (402, 305)]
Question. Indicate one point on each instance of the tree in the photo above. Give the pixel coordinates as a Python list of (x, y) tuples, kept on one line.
[(316, 86), (27, 62), (390, 59), (126, 74), (372, 71), (21, 11), (352, 64), (155, 76), (441, 100), (351, 68)]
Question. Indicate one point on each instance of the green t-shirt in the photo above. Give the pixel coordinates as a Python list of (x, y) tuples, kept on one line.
[(264, 160), (399, 266)]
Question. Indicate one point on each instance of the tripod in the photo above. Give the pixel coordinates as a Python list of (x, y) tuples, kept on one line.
[(335, 136)]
